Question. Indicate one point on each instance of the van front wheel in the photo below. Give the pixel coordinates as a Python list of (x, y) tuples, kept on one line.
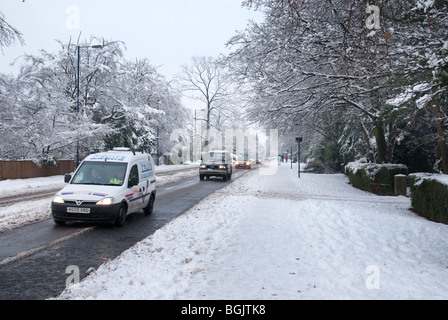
[(121, 216), (148, 209)]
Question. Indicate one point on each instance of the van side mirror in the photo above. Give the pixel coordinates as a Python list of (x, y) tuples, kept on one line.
[(132, 182), (67, 178)]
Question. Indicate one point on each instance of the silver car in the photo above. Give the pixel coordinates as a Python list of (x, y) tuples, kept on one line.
[(216, 163)]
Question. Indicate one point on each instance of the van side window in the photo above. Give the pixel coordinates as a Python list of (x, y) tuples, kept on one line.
[(134, 173)]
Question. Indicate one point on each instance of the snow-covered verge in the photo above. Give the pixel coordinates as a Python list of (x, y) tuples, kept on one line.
[(281, 237), (13, 187), (26, 212)]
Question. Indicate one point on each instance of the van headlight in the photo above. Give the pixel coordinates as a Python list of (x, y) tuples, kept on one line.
[(58, 199), (202, 166), (222, 167), (105, 201)]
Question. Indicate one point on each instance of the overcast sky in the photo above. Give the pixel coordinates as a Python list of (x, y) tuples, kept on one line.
[(167, 32)]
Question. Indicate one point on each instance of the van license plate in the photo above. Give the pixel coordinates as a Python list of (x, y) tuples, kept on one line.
[(78, 210)]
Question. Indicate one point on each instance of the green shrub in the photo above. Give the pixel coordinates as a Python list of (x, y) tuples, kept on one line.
[(429, 196), (358, 177), (373, 177)]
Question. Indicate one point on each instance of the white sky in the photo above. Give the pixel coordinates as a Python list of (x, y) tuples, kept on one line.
[(167, 32)]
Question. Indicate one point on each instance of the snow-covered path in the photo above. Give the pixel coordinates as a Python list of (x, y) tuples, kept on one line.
[(274, 236)]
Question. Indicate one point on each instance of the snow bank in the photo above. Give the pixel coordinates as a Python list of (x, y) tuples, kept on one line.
[(14, 187)]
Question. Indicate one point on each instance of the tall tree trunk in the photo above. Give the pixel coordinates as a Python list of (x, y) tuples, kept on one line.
[(441, 141), (207, 129), (381, 145), (367, 138)]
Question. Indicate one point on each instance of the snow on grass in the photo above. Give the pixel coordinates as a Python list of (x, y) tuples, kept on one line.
[(12, 187)]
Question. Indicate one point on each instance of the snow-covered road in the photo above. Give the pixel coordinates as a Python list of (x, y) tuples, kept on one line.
[(274, 236)]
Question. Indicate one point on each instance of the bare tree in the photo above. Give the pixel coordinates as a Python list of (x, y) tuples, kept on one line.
[(205, 80)]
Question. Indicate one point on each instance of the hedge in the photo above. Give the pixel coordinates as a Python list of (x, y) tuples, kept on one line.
[(374, 177), (429, 196)]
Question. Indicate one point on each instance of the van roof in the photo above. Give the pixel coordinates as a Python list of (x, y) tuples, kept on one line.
[(118, 156)]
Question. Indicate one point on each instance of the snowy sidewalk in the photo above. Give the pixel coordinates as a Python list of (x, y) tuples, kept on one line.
[(276, 236)]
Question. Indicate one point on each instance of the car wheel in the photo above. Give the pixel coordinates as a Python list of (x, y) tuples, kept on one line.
[(201, 177), (121, 216), (150, 206), (59, 222)]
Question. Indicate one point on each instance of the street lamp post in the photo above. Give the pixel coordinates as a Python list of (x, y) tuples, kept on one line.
[(157, 142), (291, 158), (77, 93), (298, 139)]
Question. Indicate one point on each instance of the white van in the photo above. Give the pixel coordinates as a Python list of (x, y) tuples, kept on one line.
[(106, 187)]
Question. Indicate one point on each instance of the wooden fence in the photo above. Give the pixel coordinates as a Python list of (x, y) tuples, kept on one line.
[(28, 169)]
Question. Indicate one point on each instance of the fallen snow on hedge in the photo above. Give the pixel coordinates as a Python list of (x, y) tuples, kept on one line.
[(372, 169), (421, 176)]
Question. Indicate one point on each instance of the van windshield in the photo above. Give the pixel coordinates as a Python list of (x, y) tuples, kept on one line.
[(100, 173), (215, 157)]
